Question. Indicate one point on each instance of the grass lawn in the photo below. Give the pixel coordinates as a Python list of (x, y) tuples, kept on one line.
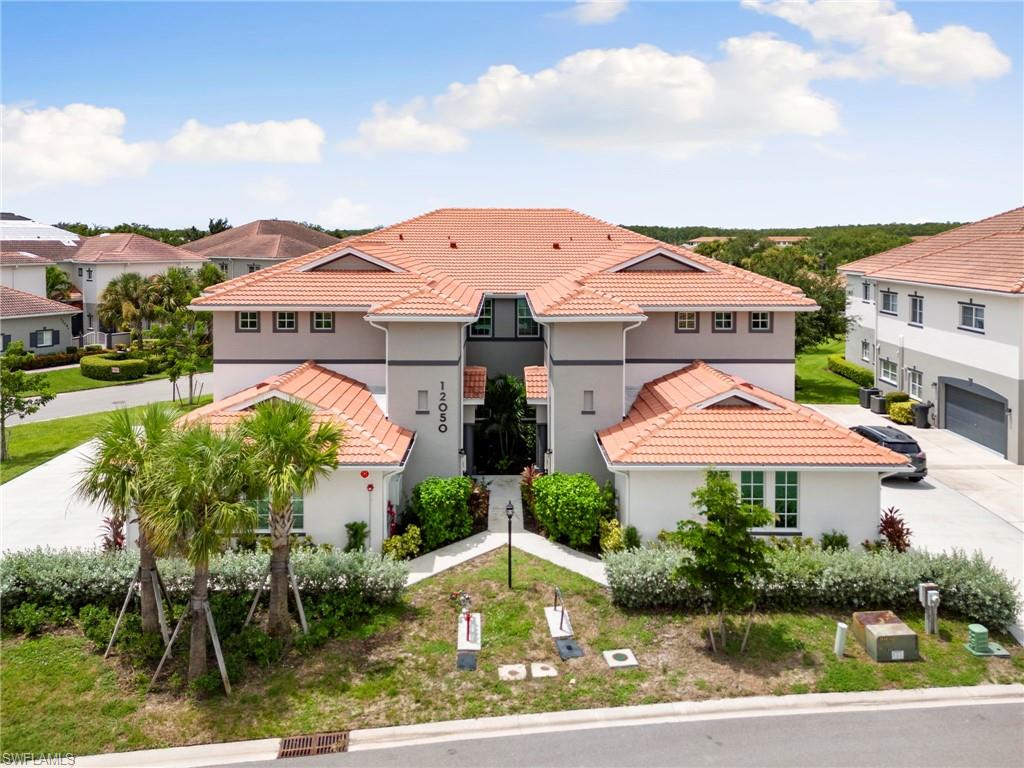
[(400, 668), (817, 384), (32, 444), (72, 380)]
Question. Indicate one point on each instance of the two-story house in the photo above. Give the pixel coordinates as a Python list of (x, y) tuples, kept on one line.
[(942, 318), (258, 244), (394, 333), (26, 313)]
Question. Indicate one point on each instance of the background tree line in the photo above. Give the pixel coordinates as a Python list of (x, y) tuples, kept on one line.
[(180, 236)]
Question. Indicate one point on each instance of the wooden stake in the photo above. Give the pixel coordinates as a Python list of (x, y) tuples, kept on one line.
[(216, 647), (298, 600), (165, 632), (256, 600), (711, 632), (124, 608), (750, 621), (167, 650)]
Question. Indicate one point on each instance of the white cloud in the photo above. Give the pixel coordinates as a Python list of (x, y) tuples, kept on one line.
[(79, 143), (404, 131), (597, 11), (269, 189), (342, 213), (272, 141), (887, 41)]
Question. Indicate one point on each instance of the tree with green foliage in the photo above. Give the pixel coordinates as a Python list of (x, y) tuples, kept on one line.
[(209, 274), (58, 284), (20, 394), (289, 454), (505, 428), (218, 225), (128, 301), (126, 452), (724, 558), (181, 340)]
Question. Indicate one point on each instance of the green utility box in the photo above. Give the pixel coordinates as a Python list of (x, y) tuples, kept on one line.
[(885, 637)]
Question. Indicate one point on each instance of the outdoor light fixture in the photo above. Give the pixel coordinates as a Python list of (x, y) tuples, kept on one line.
[(509, 511)]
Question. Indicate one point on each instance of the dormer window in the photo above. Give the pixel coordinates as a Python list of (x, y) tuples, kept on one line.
[(483, 328)]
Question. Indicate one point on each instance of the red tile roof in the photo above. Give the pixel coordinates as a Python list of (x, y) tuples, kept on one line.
[(474, 382), (22, 259), (15, 303), (986, 255), (262, 239), (53, 250), (673, 422), (118, 247), (536, 378), (368, 437), (447, 260)]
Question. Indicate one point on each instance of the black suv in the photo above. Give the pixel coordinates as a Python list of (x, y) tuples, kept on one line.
[(901, 442)]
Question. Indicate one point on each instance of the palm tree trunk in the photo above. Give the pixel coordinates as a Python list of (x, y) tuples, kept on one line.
[(279, 623), (150, 618), (197, 643)]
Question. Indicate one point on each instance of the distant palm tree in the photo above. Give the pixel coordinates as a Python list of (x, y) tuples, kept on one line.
[(58, 284), (174, 289), (199, 486), (126, 452), (289, 455), (127, 303)]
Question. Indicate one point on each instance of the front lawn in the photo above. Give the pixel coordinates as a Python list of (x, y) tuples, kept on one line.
[(815, 383), (72, 380), (399, 668), (37, 442)]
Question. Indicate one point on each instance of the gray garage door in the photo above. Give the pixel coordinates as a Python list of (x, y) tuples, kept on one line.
[(976, 416)]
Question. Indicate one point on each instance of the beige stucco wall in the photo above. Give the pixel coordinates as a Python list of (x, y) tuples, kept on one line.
[(343, 498), (20, 328)]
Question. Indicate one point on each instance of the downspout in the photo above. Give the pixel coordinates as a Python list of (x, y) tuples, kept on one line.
[(387, 368), (617, 472), (626, 329), (549, 464), (385, 477), (462, 391), (876, 363)]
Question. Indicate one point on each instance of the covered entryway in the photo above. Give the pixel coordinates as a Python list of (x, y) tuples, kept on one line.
[(976, 412)]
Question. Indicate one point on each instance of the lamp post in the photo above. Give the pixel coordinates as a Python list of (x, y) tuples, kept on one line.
[(509, 511)]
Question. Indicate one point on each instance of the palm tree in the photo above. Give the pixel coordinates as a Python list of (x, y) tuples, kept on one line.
[(174, 289), (199, 486), (126, 303), (58, 284), (115, 478), (290, 454)]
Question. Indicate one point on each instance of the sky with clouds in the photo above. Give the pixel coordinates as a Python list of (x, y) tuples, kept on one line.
[(752, 113)]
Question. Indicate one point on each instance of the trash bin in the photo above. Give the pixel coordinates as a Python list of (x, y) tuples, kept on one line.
[(878, 404), (921, 411), (865, 395)]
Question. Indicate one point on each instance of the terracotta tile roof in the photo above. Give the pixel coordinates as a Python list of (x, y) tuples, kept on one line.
[(15, 303), (262, 239), (720, 288), (474, 382), (987, 255), (785, 238), (52, 250), (672, 422), (118, 247), (368, 437), (22, 259), (449, 258), (536, 378)]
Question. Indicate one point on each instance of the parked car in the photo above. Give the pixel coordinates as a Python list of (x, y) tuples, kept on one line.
[(901, 442)]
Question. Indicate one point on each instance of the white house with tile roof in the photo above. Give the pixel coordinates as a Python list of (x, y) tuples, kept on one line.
[(423, 312), (259, 244), (942, 318), (26, 314)]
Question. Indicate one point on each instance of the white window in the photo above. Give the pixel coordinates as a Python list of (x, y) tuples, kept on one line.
[(253, 267), (286, 322), (588, 401), (917, 310), (484, 327), (889, 303), (322, 322), (787, 499), (687, 322), (889, 371), (79, 271), (865, 351), (865, 292), (972, 317), (248, 322), (422, 404), (526, 326), (724, 322), (760, 322), (44, 338), (915, 380)]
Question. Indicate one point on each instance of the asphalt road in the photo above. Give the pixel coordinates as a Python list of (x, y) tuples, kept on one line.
[(989, 735)]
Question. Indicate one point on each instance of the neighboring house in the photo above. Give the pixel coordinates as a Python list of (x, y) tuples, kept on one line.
[(17, 228), (784, 241), (24, 271), (43, 325), (814, 474), (420, 314), (259, 244), (943, 319), (706, 239), (100, 259)]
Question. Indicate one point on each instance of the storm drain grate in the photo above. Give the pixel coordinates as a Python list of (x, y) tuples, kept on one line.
[(314, 744)]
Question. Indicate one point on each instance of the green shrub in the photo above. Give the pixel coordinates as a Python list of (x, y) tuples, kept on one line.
[(613, 538), (631, 537), (30, 619), (569, 507), (805, 579), (901, 412), (356, 533), (896, 396), (855, 373), (97, 624), (440, 506), (403, 546), (254, 645), (834, 540), (113, 368)]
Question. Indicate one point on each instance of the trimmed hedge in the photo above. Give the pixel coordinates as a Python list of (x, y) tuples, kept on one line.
[(440, 506), (569, 507), (76, 578), (901, 412), (855, 373), (69, 356), (806, 578), (101, 368)]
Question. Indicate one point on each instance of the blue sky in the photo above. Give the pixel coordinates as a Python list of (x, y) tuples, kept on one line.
[(731, 114)]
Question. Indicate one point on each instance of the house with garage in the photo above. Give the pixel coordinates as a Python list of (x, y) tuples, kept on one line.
[(942, 318), (258, 244), (423, 313), (26, 314)]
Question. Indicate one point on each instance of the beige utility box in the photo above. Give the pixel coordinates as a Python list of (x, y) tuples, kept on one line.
[(885, 637)]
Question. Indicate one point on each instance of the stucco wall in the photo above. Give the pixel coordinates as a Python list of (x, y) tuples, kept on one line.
[(343, 498), (30, 278), (20, 328)]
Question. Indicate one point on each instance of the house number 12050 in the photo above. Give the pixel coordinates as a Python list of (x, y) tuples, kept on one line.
[(442, 411)]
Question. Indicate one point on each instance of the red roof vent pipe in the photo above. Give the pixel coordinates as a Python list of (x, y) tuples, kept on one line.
[(401, 236), (452, 244), (556, 246)]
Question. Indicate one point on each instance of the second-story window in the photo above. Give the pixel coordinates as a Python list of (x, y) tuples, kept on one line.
[(286, 322), (687, 322), (760, 322), (526, 326), (321, 322), (972, 317), (248, 322), (917, 310), (724, 322), (865, 291), (865, 350), (484, 327), (889, 303)]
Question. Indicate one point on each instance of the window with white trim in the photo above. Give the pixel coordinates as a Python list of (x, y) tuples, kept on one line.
[(253, 268), (865, 292), (263, 514), (915, 383), (526, 326), (917, 310), (889, 371), (760, 322), (323, 322), (44, 338), (787, 499), (890, 304), (483, 328), (687, 322), (248, 322), (724, 321), (752, 487), (286, 321), (972, 317), (865, 350)]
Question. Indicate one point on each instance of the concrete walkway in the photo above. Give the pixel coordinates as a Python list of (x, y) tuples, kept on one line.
[(110, 398), (503, 488)]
